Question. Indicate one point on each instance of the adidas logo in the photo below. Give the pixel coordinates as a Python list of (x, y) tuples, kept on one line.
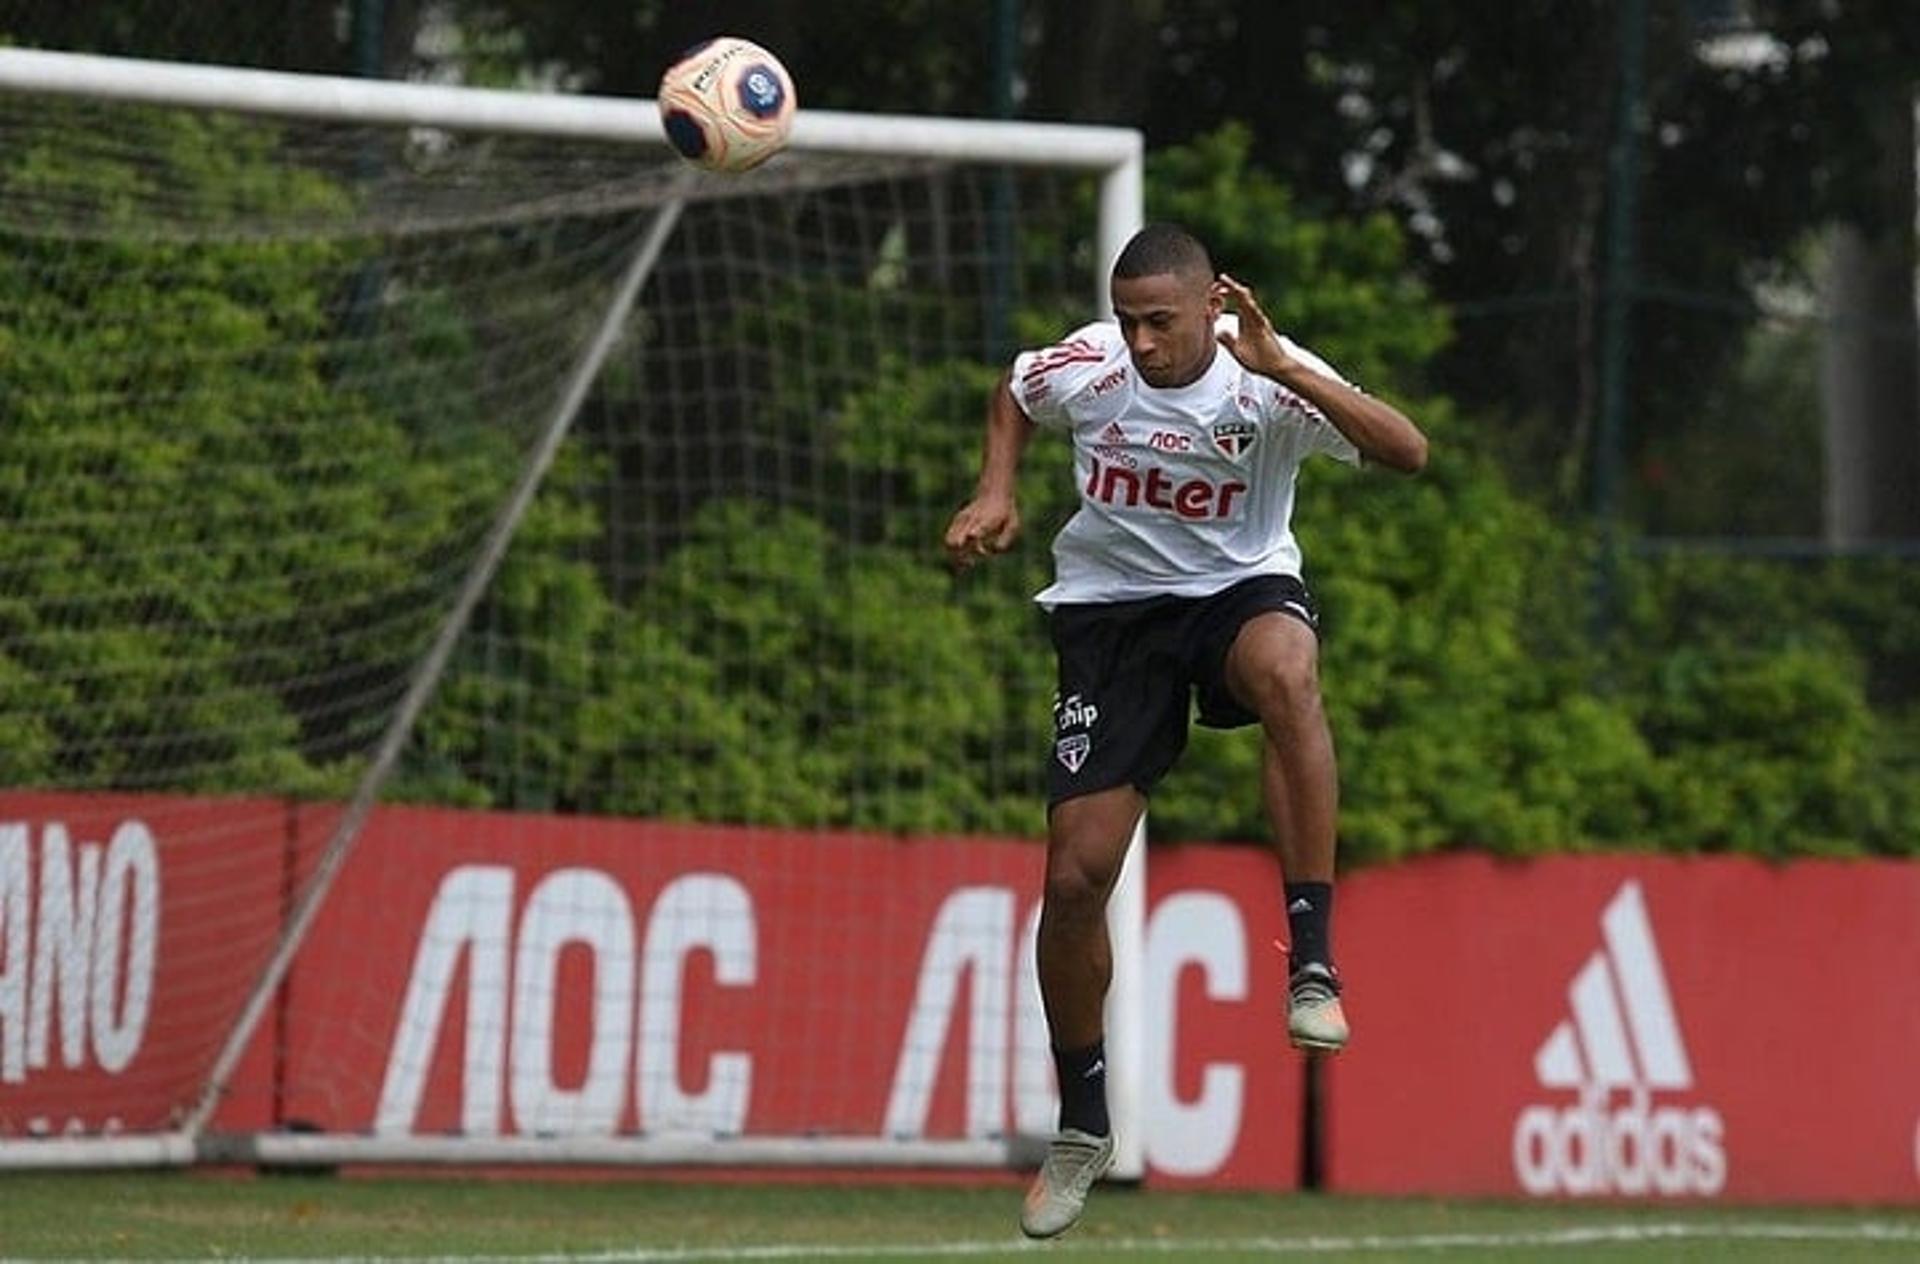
[(1620, 1045), (1301, 904), (1114, 433)]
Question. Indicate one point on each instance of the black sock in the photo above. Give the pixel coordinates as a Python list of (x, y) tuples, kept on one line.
[(1309, 911), (1083, 1088)]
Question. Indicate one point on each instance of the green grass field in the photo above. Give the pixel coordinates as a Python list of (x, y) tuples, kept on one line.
[(208, 1216)]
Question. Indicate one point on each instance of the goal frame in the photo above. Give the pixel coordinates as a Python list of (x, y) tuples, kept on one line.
[(1115, 155)]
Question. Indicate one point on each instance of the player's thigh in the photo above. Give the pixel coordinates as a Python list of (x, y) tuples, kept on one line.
[(1121, 702), (1273, 663), (1214, 636)]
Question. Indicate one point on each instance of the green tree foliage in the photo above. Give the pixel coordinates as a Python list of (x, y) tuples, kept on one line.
[(519, 718), (214, 556), (1484, 133), (224, 32), (1781, 701), (1453, 650), (1343, 284), (791, 657)]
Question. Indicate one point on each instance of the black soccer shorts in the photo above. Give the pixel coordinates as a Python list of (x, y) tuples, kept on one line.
[(1132, 671)]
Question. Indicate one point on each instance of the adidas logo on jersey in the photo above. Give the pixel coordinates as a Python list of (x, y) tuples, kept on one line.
[(1620, 1045)]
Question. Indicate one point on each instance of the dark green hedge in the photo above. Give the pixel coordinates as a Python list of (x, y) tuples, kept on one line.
[(224, 587)]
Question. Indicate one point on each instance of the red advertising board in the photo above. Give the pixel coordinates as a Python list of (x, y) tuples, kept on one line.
[(130, 927), (1608, 1027), (476, 973), (1630, 1027), (487, 984), (491, 974), (1223, 1089)]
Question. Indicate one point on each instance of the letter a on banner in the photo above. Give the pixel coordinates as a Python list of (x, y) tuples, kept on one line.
[(472, 912), (973, 932)]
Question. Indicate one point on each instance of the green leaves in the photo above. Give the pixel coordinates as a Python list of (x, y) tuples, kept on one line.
[(1340, 286), (206, 537), (238, 499)]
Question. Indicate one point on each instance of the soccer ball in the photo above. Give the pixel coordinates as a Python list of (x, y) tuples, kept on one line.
[(727, 104)]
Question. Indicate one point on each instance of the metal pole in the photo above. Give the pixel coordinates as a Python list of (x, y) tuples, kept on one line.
[(369, 35), (1001, 279), (1623, 183), (1122, 206), (553, 115)]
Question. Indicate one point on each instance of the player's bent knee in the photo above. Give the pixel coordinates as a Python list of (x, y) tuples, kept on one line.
[(1288, 686), (1074, 887)]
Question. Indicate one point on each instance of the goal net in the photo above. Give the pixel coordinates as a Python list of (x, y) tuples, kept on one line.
[(478, 678)]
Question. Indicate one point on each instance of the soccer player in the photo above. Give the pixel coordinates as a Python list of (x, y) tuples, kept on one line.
[(1177, 583)]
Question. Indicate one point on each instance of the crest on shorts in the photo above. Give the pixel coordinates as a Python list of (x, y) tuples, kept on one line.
[(1235, 437), (1072, 750)]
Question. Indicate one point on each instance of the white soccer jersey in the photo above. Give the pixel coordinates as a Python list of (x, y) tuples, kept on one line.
[(1183, 491)]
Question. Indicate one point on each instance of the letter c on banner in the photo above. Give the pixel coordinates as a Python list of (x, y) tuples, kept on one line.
[(1204, 928)]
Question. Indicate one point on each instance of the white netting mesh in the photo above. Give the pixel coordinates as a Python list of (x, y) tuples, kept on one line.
[(264, 387)]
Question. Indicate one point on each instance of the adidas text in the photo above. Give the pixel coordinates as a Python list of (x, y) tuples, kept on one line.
[(1620, 1043), (1599, 1147)]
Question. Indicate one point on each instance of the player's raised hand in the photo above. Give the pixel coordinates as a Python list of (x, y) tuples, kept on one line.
[(1255, 345), (984, 526)]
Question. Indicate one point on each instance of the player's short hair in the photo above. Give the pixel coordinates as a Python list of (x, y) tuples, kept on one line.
[(1159, 249)]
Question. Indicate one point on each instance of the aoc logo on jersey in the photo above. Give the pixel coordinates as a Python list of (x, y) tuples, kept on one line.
[(1235, 437)]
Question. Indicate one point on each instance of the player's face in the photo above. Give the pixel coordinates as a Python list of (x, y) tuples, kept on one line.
[(1167, 320)]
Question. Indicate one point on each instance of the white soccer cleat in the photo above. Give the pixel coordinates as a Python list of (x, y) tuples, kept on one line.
[(1315, 1021), (1075, 1160)]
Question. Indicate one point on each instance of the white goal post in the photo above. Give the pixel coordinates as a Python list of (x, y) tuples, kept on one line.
[(45, 1006)]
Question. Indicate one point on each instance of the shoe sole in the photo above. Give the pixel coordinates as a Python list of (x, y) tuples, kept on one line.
[(1042, 1235), (1317, 1046), (1036, 1235)]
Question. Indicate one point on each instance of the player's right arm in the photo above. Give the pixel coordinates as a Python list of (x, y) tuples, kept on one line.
[(990, 522)]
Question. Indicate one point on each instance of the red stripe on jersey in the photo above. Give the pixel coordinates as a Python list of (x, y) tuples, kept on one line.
[(1056, 358), (1075, 349)]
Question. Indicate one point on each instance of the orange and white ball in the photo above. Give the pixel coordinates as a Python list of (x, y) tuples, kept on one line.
[(727, 104)]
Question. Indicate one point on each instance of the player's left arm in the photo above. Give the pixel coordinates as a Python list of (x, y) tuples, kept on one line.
[(1383, 434)]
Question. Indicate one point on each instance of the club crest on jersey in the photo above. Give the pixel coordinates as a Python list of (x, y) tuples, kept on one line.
[(1235, 437), (1072, 750)]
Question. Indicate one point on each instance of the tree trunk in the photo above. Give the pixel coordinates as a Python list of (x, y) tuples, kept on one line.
[(1870, 365), (1095, 63)]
